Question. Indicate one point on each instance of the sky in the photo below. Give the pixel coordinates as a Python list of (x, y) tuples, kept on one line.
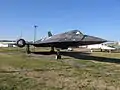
[(99, 18)]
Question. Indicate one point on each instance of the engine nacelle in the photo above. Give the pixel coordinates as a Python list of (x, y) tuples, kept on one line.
[(21, 43)]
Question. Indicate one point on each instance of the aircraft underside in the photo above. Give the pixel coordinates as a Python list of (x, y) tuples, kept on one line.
[(66, 44)]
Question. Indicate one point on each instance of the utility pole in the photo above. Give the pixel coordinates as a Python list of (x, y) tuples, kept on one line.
[(35, 33), (21, 34)]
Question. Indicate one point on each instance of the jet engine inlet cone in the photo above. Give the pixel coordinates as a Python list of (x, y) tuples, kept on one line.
[(21, 43)]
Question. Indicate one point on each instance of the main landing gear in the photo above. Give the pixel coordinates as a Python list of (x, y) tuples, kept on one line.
[(28, 49), (58, 55), (52, 49)]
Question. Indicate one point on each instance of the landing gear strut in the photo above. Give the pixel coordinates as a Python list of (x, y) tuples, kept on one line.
[(52, 49), (28, 49), (58, 56)]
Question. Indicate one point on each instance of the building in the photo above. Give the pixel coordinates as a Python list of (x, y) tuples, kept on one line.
[(118, 43), (7, 43)]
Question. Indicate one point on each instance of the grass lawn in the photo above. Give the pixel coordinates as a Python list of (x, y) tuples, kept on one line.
[(97, 71)]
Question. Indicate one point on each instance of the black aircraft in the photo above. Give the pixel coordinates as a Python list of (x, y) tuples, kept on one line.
[(72, 38)]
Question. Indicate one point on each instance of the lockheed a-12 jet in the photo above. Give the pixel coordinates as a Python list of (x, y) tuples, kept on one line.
[(65, 40)]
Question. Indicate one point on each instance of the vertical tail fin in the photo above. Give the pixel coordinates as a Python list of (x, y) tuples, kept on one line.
[(49, 34)]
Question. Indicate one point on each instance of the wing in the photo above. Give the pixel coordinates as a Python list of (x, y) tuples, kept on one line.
[(61, 40)]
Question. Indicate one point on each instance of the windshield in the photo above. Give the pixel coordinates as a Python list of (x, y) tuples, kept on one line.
[(79, 33), (76, 32)]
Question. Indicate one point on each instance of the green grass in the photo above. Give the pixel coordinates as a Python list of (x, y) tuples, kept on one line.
[(19, 71)]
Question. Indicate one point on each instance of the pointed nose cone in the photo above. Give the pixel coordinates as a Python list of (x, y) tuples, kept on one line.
[(94, 40), (98, 39)]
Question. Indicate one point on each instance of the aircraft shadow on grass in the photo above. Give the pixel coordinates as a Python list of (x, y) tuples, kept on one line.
[(82, 55)]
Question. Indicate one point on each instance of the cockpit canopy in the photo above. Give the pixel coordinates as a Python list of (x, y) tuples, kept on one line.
[(76, 32)]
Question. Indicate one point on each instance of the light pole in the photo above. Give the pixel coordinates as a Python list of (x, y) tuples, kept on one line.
[(35, 32), (21, 34)]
